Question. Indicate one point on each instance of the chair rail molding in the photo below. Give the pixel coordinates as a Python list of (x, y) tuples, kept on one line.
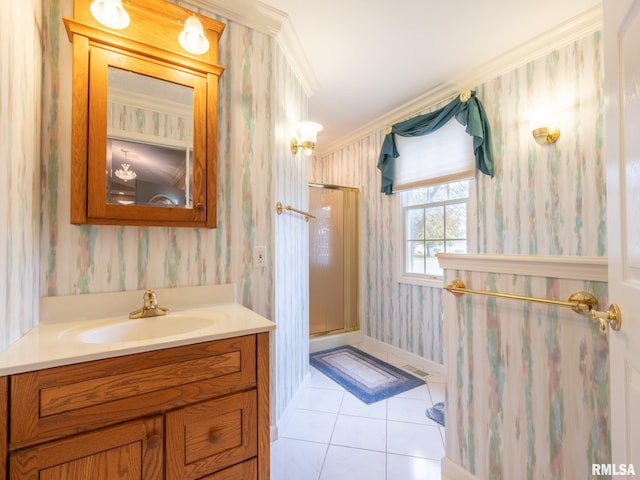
[(569, 268)]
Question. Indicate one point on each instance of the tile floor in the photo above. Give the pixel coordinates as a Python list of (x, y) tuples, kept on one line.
[(332, 435)]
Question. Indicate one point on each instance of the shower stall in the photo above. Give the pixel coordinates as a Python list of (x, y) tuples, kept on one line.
[(333, 260)]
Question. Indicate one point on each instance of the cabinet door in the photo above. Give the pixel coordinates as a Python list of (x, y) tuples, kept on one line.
[(130, 451), (162, 146), (209, 436)]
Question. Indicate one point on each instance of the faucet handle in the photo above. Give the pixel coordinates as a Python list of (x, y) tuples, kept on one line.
[(150, 307), (150, 299)]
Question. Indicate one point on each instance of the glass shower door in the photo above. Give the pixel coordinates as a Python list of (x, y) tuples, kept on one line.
[(333, 260)]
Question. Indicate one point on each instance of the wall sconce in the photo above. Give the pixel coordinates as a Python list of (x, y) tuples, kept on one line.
[(546, 135), (110, 13), (192, 37), (308, 136), (542, 125)]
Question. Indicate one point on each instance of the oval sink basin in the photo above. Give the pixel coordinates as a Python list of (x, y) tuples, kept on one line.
[(149, 328)]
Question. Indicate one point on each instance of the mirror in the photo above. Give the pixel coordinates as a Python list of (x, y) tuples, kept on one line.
[(149, 141), (144, 119)]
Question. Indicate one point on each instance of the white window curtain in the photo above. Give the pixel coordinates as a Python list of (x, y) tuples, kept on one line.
[(443, 156)]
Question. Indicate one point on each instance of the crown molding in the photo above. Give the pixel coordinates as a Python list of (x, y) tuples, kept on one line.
[(271, 21), (290, 44), (564, 34)]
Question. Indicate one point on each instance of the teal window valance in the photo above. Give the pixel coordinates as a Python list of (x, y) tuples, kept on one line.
[(466, 109)]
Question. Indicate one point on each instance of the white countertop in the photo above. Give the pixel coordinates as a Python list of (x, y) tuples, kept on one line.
[(58, 339)]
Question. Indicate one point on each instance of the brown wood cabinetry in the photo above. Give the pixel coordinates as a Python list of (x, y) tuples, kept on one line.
[(195, 412)]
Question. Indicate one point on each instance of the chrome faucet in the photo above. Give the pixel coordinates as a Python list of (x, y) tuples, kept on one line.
[(150, 307)]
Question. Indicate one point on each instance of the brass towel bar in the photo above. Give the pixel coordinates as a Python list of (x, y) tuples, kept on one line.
[(280, 208), (583, 303)]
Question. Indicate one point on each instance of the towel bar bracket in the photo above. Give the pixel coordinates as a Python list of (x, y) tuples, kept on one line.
[(583, 302)]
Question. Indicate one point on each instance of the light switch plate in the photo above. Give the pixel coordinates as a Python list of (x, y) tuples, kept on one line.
[(260, 256)]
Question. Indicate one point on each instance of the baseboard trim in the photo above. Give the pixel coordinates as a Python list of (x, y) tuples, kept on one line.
[(411, 358), (284, 419), (453, 471), (332, 341)]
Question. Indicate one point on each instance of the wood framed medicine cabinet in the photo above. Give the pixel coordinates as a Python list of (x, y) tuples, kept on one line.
[(144, 119)]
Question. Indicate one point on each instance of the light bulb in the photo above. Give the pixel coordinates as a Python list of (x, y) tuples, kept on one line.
[(192, 37), (110, 13)]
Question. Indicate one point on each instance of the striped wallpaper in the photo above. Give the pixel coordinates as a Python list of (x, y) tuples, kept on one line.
[(531, 385), (20, 131), (527, 384), (539, 378), (260, 99), (290, 242), (87, 259)]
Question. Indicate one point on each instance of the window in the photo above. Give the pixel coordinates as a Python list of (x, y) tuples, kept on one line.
[(435, 220), (433, 180)]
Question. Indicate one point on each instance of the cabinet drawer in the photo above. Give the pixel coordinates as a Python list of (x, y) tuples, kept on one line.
[(212, 435), (61, 401)]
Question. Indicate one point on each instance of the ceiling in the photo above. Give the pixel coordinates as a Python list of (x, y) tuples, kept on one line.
[(370, 58)]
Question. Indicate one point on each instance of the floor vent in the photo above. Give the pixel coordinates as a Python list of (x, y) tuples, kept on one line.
[(415, 371)]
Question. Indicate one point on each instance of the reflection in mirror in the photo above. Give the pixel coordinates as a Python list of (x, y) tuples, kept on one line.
[(139, 173), (149, 141)]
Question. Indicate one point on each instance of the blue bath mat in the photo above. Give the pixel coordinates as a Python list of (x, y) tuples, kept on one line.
[(436, 413), (368, 378)]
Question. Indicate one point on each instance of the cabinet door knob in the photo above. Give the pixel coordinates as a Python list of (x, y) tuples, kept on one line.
[(154, 441), (214, 436)]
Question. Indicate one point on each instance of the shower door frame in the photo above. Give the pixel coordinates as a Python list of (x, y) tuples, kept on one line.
[(349, 289)]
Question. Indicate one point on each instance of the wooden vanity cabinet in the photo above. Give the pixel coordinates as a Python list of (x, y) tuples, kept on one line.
[(194, 412)]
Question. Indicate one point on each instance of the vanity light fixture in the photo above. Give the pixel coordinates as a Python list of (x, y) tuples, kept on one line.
[(308, 136), (124, 173), (110, 13), (192, 37), (546, 135)]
